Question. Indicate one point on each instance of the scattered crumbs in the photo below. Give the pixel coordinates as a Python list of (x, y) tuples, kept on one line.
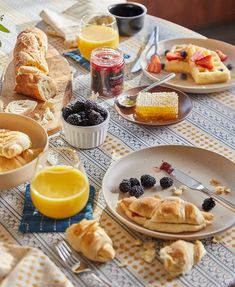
[(156, 169), (149, 244), (216, 239), (183, 188), (137, 242), (222, 189), (47, 117), (94, 96), (122, 265), (50, 103), (37, 116), (157, 196), (148, 255), (178, 190), (214, 182)]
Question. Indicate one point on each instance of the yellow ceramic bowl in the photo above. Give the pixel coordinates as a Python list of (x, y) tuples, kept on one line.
[(39, 139)]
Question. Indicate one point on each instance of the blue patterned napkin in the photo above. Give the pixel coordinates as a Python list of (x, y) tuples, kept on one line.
[(33, 221), (76, 55)]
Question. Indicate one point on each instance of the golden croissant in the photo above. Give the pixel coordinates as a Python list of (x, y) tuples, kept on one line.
[(90, 239), (13, 143), (170, 214), (180, 256)]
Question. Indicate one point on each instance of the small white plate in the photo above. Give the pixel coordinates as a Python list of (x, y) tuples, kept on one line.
[(201, 164), (189, 85)]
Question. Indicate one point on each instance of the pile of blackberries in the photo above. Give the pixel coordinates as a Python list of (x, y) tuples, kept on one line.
[(135, 187), (84, 113)]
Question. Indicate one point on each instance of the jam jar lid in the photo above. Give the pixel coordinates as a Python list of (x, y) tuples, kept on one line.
[(107, 56)]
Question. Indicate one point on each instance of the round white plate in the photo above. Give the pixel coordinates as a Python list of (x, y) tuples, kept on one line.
[(189, 85), (201, 164)]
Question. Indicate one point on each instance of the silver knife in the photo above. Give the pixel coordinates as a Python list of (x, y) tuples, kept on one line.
[(137, 66), (195, 184)]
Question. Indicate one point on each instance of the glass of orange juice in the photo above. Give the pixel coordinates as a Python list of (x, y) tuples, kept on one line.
[(97, 30), (62, 189)]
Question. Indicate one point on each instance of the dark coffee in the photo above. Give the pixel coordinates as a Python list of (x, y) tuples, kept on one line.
[(126, 10)]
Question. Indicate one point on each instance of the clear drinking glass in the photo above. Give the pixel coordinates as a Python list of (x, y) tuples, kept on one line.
[(97, 30), (60, 189)]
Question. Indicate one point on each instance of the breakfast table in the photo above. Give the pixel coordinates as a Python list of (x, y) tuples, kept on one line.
[(210, 126)]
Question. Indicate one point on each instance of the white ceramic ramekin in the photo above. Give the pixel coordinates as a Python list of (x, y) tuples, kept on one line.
[(86, 137)]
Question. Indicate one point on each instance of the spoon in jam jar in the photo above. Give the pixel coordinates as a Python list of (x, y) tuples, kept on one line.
[(129, 101)]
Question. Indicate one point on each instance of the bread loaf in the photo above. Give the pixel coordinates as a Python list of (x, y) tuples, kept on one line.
[(31, 67)]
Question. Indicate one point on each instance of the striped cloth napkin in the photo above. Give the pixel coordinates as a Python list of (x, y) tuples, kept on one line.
[(33, 221)]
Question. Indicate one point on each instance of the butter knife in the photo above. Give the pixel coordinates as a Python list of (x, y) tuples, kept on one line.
[(137, 66), (195, 184)]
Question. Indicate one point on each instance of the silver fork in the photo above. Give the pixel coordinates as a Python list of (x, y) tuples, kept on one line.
[(72, 261)]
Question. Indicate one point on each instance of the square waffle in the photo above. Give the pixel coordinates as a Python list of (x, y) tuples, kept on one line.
[(178, 66), (218, 74)]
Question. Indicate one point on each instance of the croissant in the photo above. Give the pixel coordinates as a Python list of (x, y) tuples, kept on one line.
[(13, 143), (170, 214), (180, 256), (90, 239), (25, 157)]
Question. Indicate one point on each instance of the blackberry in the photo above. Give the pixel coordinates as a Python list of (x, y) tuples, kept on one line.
[(102, 112), (166, 52), (134, 181), (221, 70), (82, 114), (183, 76), (74, 119), (67, 111), (183, 54), (230, 67), (125, 186), (208, 204), (78, 106), (163, 66), (95, 118), (136, 191), (147, 180), (90, 105), (166, 182)]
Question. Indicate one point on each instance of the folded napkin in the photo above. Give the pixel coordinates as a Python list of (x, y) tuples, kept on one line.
[(76, 55), (64, 26), (33, 221), (27, 266)]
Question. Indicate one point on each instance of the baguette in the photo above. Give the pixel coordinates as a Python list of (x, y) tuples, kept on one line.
[(31, 67), (21, 107)]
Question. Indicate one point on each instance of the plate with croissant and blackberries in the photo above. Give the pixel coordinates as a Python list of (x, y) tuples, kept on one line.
[(140, 190)]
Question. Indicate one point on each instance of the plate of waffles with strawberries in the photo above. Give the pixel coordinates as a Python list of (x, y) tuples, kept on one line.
[(201, 65)]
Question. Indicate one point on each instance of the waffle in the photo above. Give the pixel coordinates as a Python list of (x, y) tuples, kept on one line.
[(218, 74), (13, 143), (157, 106), (178, 66)]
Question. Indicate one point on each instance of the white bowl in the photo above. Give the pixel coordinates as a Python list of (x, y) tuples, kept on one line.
[(86, 137), (39, 139)]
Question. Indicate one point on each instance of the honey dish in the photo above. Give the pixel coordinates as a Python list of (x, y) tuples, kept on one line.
[(23, 145)]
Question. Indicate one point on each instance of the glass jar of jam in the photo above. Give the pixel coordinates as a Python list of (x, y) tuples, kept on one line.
[(107, 71)]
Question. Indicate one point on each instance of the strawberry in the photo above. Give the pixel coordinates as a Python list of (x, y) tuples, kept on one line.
[(205, 62), (155, 65), (173, 56), (222, 56), (196, 56)]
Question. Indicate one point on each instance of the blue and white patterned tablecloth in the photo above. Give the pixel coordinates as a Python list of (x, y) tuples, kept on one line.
[(211, 125)]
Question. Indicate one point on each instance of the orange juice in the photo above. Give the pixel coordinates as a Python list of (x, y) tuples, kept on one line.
[(59, 191), (94, 36)]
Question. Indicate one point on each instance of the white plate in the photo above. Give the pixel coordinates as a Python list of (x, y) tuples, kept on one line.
[(201, 164), (189, 85)]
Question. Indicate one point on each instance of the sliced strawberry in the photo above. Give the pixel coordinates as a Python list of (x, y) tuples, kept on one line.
[(155, 65), (205, 62), (173, 56), (197, 56), (222, 56)]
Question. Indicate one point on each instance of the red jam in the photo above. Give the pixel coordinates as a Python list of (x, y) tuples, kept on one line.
[(166, 167), (107, 71)]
